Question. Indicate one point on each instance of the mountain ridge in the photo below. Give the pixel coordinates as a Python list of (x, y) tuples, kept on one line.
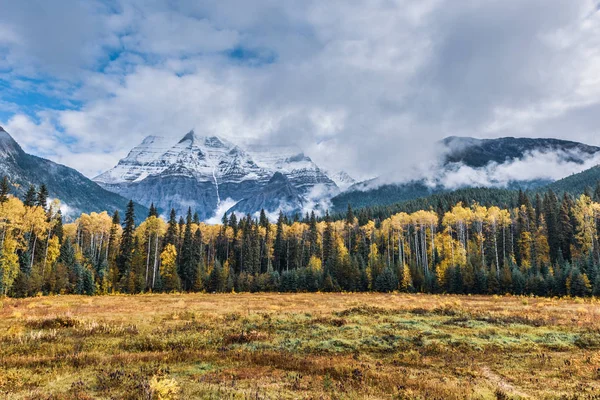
[(476, 154), (202, 172), (76, 192)]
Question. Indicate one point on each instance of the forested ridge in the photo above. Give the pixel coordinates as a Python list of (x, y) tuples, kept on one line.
[(546, 245)]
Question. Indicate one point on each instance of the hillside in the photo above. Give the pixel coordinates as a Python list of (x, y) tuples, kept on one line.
[(481, 158), (577, 183), (76, 192)]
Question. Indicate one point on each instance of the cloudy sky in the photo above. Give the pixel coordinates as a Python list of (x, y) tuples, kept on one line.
[(360, 85)]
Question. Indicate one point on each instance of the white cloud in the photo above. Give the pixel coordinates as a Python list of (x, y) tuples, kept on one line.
[(364, 86), (222, 208), (536, 165)]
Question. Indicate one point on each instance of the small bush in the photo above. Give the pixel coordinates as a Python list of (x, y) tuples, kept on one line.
[(61, 321), (588, 341)]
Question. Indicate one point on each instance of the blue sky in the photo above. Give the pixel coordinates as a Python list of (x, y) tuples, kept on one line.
[(81, 82)]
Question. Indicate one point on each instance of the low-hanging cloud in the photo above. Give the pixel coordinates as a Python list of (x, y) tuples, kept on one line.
[(534, 165), (366, 87)]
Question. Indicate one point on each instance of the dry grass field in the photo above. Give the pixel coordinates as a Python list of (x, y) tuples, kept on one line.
[(307, 346)]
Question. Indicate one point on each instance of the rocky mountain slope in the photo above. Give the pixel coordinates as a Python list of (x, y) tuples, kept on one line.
[(205, 173), (76, 192)]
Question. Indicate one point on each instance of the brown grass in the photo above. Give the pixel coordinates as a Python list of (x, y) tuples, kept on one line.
[(288, 346)]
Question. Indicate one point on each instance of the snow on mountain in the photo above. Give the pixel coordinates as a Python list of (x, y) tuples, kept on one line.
[(342, 180), (202, 171), (8, 147)]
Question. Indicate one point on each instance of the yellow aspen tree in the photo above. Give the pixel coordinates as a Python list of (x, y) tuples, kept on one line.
[(168, 268), (9, 263), (585, 213)]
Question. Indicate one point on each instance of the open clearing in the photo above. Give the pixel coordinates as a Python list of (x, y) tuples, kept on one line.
[(288, 346)]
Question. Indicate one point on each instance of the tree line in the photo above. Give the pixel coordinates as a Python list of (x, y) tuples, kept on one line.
[(545, 245)]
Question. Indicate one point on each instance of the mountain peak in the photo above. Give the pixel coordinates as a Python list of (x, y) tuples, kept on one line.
[(189, 137), (278, 177), (152, 139), (8, 145), (201, 169), (208, 141)]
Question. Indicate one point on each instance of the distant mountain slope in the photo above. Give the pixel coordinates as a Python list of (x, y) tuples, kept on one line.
[(75, 191), (478, 155), (278, 194), (359, 195), (577, 183), (202, 172)]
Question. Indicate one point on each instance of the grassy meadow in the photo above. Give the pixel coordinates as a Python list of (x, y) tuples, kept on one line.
[(307, 346)]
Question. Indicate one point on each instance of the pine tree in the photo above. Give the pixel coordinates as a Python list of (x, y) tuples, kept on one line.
[(579, 284), (215, 279), (30, 197), (224, 220), (386, 281), (153, 212), (349, 225), (263, 220), (42, 197), (187, 267), (171, 236), (550, 210), (4, 190), (313, 236), (126, 249), (597, 193), (565, 228), (328, 245), (58, 227), (279, 248)]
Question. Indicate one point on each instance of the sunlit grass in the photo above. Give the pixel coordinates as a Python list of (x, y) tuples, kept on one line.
[(278, 346)]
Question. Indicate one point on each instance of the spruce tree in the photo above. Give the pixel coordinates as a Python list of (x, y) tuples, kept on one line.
[(127, 242), (215, 279), (263, 220), (565, 228), (328, 245), (386, 281), (550, 211), (171, 236), (4, 190), (186, 265), (279, 252), (42, 197), (153, 212), (58, 227), (112, 236), (313, 236), (30, 197)]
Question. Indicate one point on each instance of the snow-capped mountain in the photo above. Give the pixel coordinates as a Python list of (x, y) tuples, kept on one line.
[(202, 172), (343, 180)]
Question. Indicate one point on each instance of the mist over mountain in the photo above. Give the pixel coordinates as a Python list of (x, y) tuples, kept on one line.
[(462, 162), (213, 176)]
